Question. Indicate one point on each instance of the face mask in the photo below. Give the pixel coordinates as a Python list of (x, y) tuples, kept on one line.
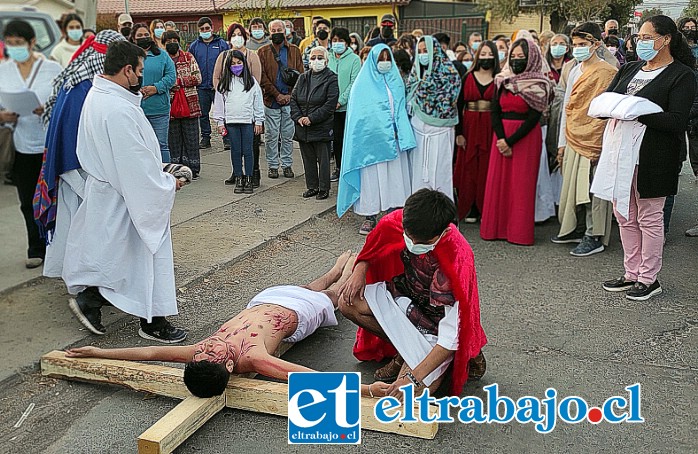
[(613, 31), (20, 54), (502, 55), (317, 65), (237, 41), (518, 65), (277, 38), (75, 34), (487, 63), (353, 47), (424, 59), (158, 32), (258, 34), (135, 89), (475, 45), (205, 35), (339, 48), (126, 31), (386, 32), (419, 249), (558, 50), (581, 53), (690, 35), (613, 50), (322, 34), (468, 64), (144, 43), (288, 31), (172, 48), (237, 69), (645, 49), (384, 66)]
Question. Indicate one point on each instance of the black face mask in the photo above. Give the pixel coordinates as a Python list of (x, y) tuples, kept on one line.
[(126, 31), (613, 31), (172, 48), (386, 32), (136, 88), (277, 38), (144, 43), (691, 35), (322, 34), (630, 55), (518, 65), (487, 63)]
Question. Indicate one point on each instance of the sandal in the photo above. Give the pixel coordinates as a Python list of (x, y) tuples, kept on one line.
[(390, 371)]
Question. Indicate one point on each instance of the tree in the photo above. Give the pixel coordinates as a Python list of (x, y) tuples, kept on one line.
[(651, 12), (268, 10), (691, 9)]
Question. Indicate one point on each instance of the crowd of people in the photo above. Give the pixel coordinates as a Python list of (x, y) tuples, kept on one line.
[(513, 130)]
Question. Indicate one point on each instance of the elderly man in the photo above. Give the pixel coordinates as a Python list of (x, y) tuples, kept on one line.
[(291, 34), (474, 41), (277, 59), (611, 28)]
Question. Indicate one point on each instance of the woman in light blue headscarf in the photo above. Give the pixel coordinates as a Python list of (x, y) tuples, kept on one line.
[(375, 168)]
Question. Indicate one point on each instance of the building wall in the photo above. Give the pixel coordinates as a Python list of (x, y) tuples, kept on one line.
[(524, 21)]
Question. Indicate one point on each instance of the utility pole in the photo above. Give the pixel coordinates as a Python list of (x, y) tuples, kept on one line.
[(126, 6)]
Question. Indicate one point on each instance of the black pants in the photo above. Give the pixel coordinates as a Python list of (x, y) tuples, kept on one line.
[(693, 154), (316, 162), (26, 172), (256, 142), (340, 119)]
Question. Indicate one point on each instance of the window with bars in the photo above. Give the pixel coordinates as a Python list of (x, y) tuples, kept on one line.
[(360, 25)]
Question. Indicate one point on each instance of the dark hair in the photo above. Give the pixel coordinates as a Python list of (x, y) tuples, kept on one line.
[(458, 44), (495, 53), (170, 34), (68, 18), (374, 33), (237, 26), (402, 60), (341, 33), (316, 17), (519, 43), (549, 54), (227, 76), (679, 48), (206, 379), (324, 21), (406, 41), (612, 41), (427, 213), (19, 29), (442, 38), (154, 48), (258, 21), (88, 30), (204, 20), (684, 20), (121, 54), (587, 29)]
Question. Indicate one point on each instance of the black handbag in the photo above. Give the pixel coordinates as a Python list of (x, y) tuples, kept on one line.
[(289, 76)]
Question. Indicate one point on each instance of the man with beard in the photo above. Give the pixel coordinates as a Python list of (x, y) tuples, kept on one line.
[(387, 35)]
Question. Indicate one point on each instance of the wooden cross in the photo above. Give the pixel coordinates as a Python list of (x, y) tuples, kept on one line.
[(242, 392)]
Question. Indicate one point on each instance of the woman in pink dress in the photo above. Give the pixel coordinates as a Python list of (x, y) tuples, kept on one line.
[(523, 91)]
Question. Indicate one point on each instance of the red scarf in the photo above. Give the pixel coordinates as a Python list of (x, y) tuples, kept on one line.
[(90, 43), (382, 251)]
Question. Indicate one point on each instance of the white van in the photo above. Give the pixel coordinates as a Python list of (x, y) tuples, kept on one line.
[(47, 32)]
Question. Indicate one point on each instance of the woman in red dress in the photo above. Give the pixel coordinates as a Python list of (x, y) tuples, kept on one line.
[(523, 91), (474, 133)]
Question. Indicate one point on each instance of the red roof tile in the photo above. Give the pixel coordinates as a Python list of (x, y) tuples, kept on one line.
[(287, 4), (151, 7)]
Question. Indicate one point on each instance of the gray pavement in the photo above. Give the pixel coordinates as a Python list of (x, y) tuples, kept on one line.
[(546, 317)]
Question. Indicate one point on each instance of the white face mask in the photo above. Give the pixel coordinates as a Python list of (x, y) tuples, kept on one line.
[(318, 65), (420, 249), (384, 66), (237, 41)]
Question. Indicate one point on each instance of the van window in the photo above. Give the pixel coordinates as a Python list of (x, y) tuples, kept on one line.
[(44, 34)]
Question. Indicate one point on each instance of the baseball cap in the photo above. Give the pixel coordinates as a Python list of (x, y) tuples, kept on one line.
[(388, 18), (124, 18)]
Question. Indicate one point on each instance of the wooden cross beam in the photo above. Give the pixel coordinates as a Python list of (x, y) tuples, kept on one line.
[(242, 393)]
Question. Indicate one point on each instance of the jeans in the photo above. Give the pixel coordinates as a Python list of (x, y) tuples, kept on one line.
[(256, 143), (279, 127), (316, 161), (206, 97), (161, 126), (25, 172), (241, 136)]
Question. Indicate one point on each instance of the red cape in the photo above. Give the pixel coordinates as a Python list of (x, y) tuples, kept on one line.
[(382, 252)]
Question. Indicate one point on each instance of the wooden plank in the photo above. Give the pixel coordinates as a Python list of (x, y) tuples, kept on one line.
[(180, 423)]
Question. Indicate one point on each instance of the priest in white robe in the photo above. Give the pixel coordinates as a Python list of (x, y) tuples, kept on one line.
[(119, 246)]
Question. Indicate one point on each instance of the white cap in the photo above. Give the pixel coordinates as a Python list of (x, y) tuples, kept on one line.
[(124, 18)]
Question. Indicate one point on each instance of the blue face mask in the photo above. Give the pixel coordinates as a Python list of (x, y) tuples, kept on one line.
[(75, 34), (384, 66), (158, 32), (468, 64), (502, 55), (476, 45), (258, 34), (20, 54), (581, 54), (339, 48), (558, 50), (645, 49), (204, 35), (424, 59), (420, 249)]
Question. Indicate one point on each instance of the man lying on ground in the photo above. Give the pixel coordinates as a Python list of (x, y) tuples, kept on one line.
[(247, 342)]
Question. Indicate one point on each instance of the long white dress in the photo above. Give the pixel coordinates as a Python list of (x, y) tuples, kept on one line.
[(119, 239), (431, 162)]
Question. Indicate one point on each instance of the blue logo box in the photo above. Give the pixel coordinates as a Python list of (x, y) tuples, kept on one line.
[(324, 408)]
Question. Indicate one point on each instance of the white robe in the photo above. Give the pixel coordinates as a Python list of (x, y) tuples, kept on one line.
[(119, 239), (432, 161)]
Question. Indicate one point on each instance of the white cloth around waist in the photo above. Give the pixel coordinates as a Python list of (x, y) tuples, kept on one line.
[(314, 309)]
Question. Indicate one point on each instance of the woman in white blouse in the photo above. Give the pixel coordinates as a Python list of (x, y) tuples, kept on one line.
[(26, 70), (71, 42)]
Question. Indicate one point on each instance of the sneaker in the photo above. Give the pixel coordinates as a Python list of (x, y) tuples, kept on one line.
[(226, 145), (367, 227), (87, 308), (693, 231), (288, 172), (618, 285), (167, 333), (470, 220), (588, 246), (273, 173), (194, 176), (205, 143), (239, 185), (310, 193), (33, 262), (573, 237), (642, 292), (335, 176)]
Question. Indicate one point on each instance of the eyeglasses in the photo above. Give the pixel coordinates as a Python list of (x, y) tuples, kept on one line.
[(205, 28), (316, 57), (637, 38), (689, 28)]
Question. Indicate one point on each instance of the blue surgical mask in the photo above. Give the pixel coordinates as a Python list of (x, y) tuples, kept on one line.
[(475, 46), (258, 34), (339, 48), (468, 64), (20, 54), (288, 31), (645, 49), (158, 32), (75, 34), (581, 54), (502, 55), (419, 249), (424, 59), (558, 50), (384, 66), (204, 35)]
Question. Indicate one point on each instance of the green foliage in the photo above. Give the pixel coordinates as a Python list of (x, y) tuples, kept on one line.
[(268, 10), (691, 9), (651, 12)]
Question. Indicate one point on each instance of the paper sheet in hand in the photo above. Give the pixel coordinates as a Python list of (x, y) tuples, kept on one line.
[(20, 102)]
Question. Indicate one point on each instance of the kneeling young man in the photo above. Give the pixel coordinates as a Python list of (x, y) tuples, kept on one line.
[(423, 297), (247, 342)]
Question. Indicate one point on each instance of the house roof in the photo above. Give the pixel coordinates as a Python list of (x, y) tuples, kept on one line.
[(292, 4), (154, 7)]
